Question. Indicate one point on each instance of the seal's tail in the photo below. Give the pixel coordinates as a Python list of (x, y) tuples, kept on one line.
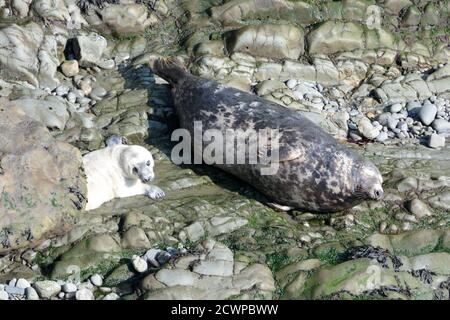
[(170, 69)]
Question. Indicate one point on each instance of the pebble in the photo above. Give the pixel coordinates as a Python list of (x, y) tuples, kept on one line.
[(441, 126), (291, 83), (47, 289), (427, 113), (31, 294), (14, 290), (23, 283), (111, 296), (85, 86), (407, 184), (367, 129), (396, 107), (392, 123), (96, 280), (436, 141), (139, 264), (107, 64), (98, 93), (383, 136), (84, 294), (62, 90), (150, 256), (393, 228), (418, 208), (69, 287), (163, 257), (70, 68), (4, 295), (383, 226), (406, 226)]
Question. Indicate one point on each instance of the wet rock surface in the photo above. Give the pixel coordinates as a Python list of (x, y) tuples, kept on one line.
[(73, 73)]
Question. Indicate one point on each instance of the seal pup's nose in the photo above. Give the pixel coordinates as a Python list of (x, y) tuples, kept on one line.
[(378, 193)]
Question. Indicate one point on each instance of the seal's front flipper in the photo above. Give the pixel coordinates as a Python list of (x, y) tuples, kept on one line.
[(279, 207), (113, 140), (154, 192)]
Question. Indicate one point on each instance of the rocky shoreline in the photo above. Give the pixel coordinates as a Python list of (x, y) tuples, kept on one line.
[(72, 73)]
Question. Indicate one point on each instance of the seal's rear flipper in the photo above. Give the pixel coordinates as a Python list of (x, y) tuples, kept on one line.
[(113, 140), (279, 207)]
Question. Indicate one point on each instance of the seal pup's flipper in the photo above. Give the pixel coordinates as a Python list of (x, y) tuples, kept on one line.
[(154, 192), (114, 140)]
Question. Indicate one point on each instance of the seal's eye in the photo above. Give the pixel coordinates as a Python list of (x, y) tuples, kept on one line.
[(135, 170), (148, 163)]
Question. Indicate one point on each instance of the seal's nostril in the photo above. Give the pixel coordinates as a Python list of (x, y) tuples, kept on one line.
[(378, 193)]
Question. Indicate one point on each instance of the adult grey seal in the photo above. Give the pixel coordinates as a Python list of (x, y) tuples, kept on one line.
[(315, 171)]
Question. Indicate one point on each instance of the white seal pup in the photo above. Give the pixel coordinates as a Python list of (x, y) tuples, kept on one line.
[(316, 172), (119, 171)]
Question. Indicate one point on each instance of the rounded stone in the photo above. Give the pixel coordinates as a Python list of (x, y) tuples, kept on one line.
[(396, 107), (96, 280), (139, 264), (111, 296), (436, 141), (31, 294), (4, 295), (69, 287), (419, 209), (84, 294), (22, 283), (427, 113), (70, 68), (47, 289)]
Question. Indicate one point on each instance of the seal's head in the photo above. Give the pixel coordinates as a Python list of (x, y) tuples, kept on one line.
[(368, 181), (137, 163)]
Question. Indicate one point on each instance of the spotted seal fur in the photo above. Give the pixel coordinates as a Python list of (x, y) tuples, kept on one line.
[(316, 172)]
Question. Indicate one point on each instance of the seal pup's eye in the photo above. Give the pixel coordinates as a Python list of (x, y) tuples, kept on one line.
[(135, 170), (148, 163)]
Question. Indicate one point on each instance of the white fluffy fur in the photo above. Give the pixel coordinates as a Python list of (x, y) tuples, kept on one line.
[(118, 171)]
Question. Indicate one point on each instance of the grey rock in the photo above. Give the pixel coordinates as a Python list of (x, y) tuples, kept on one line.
[(96, 280), (84, 294), (14, 290), (98, 93), (111, 296), (49, 110), (163, 257), (52, 168), (407, 184), (139, 264), (62, 90), (383, 136), (441, 126), (31, 294), (436, 141), (27, 54), (69, 287), (70, 68), (4, 295), (89, 49), (47, 289), (427, 113), (22, 283), (396, 107), (419, 209)]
